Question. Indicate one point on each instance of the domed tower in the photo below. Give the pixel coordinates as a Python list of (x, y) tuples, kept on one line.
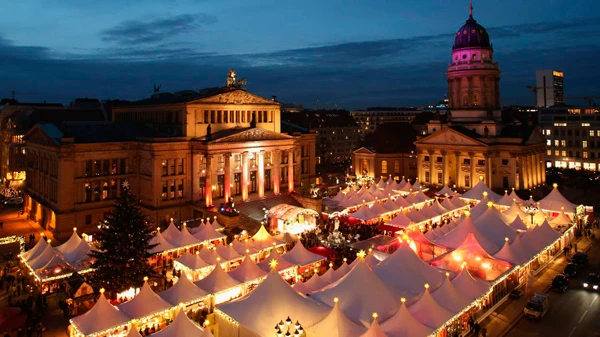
[(473, 76)]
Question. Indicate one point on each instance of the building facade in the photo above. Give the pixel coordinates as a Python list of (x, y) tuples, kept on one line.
[(549, 88), (179, 158), (369, 119), (471, 142), (572, 137)]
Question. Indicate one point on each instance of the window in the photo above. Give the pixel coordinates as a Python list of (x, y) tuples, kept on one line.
[(225, 117), (164, 190), (593, 155), (585, 155), (439, 159), (88, 168), (180, 189), (556, 142), (212, 117), (96, 167), (467, 181), (104, 190), (113, 167), (180, 166), (591, 133), (165, 164), (396, 166), (171, 189), (504, 162), (563, 143), (265, 117), (172, 167), (440, 178), (268, 158), (237, 116), (466, 161), (548, 142), (584, 144), (219, 116), (88, 219), (597, 133), (88, 192), (427, 176), (426, 158), (122, 166), (481, 162), (384, 167), (206, 120), (556, 153), (549, 152)]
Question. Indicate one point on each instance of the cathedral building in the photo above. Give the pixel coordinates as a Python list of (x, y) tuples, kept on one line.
[(471, 142), (181, 153)]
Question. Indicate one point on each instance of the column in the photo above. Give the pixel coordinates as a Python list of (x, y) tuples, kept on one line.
[(541, 168), (532, 177), (227, 177), (245, 175), (208, 188), (291, 170), (261, 174), (525, 172), (276, 171), (488, 170), (195, 178), (444, 167), (543, 160), (457, 178), (474, 179), (420, 168)]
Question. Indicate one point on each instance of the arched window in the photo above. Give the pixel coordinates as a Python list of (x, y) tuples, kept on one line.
[(384, 167)]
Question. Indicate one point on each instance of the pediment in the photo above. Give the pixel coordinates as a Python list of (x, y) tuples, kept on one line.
[(449, 136), (255, 134), (363, 150), (238, 96), (536, 137), (38, 135)]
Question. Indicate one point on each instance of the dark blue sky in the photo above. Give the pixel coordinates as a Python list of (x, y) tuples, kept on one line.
[(350, 53)]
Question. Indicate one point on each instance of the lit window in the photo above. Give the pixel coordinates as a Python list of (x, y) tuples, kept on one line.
[(563, 143), (556, 153), (384, 167), (591, 133), (548, 142), (564, 153), (549, 152), (584, 144), (585, 155), (556, 142), (585, 124)]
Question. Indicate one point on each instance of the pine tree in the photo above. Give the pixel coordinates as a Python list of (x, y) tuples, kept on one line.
[(121, 262)]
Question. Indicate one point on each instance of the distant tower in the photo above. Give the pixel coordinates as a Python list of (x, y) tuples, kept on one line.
[(549, 88), (473, 76)]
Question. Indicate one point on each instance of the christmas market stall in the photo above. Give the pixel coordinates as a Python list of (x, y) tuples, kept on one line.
[(291, 219)]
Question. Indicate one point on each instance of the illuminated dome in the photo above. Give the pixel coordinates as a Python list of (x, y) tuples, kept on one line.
[(471, 35)]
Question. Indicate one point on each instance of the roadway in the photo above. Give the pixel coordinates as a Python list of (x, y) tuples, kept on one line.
[(575, 313)]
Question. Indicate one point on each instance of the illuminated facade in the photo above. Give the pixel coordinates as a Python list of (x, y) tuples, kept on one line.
[(549, 88), (180, 155), (470, 143)]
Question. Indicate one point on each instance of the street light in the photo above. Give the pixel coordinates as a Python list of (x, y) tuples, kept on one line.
[(531, 210), (288, 328)]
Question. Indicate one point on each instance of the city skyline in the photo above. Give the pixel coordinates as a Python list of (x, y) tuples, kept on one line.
[(350, 56)]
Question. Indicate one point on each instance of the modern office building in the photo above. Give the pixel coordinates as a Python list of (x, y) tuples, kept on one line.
[(369, 119), (572, 137), (549, 88)]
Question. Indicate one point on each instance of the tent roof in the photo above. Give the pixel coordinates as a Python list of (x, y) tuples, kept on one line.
[(401, 220), (378, 209), (439, 209), (421, 196), (330, 276), (518, 224), (218, 280), (263, 239), (315, 283), (103, 316), (171, 233), (337, 324), (507, 253), (446, 191), (301, 288), (357, 300), (77, 254), (227, 253), (71, 244), (247, 271), (476, 192), (506, 200), (449, 297), (458, 235), (184, 291), (205, 233), (480, 208), (363, 213), (416, 216), (513, 196), (192, 261), (55, 264), (407, 273), (374, 330), (494, 229), (404, 324), (546, 231), (342, 270), (302, 257), (43, 258), (216, 225), (271, 301), (555, 201), (447, 204), (412, 200), (417, 185), (282, 264), (468, 286), (429, 312), (515, 211), (286, 237), (533, 242), (428, 212), (521, 248), (145, 303), (286, 212), (456, 201), (161, 243), (34, 252), (209, 256), (182, 326), (402, 183), (561, 219), (241, 247)]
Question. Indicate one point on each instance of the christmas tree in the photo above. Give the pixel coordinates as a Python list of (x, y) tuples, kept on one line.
[(121, 261)]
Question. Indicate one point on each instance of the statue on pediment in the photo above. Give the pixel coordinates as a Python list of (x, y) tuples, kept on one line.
[(233, 82)]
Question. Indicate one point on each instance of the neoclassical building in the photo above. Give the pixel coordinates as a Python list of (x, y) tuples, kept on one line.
[(180, 153), (472, 142)]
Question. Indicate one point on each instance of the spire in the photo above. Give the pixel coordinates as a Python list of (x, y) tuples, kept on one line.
[(471, 8)]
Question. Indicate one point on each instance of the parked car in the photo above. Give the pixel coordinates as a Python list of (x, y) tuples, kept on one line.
[(580, 258), (13, 201), (537, 306), (571, 270), (560, 283), (592, 281)]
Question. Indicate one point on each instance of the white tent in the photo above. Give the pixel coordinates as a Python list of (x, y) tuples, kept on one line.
[(161, 243), (330, 276), (416, 216), (494, 229), (468, 286), (389, 206), (301, 256), (402, 183), (315, 283), (547, 232), (513, 196), (408, 187), (518, 224), (447, 204), (439, 209), (193, 261), (227, 253), (363, 189), (515, 211), (395, 185), (412, 200), (381, 183), (145, 303), (264, 240), (506, 200), (521, 248), (431, 236), (272, 301), (378, 210), (216, 225), (45, 257), (171, 233), (404, 271), (447, 191), (429, 312), (342, 270), (36, 250), (401, 220), (456, 201), (363, 213), (428, 212), (218, 280), (301, 288), (102, 317), (185, 238), (357, 290), (286, 237), (184, 291), (247, 271), (480, 208), (133, 333), (337, 324), (210, 256), (241, 247), (282, 264), (449, 297), (378, 195), (206, 233), (556, 202), (422, 197), (561, 219), (476, 193), (75, 249), (401, 202), (374, 330), (182, 326), (404, 324), (417, 185), (509, 254), (458, 235)]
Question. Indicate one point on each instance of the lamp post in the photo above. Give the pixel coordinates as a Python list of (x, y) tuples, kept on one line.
[(531, 210), (287, 329)]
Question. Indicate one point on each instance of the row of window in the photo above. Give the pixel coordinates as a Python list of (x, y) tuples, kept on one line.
[(218, 116), (105, 167), (570, 132), (574, 165), (440, 178), (584, 154), (42, 164), (171, 167), (172, 189), (564, 143), (102, 190), (466, 161)]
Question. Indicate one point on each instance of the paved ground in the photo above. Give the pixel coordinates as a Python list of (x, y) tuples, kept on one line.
[(15, 224), (508, 319)]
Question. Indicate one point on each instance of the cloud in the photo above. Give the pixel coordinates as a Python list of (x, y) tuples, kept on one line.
[(136, 32)]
